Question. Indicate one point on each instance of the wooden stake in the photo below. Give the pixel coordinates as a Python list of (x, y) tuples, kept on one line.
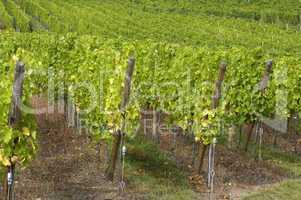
[(262, 87), (202, 158), (119, 136), (215, 101), (115, 150), (14, 119), (249, 133)]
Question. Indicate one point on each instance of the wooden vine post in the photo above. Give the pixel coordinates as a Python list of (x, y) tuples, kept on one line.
[(14, 119), (215, 100), (292, 123), (196, 141), (119, 134), (262, 87)]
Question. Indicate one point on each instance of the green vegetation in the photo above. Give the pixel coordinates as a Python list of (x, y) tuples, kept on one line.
[(21, 22), (5, 18), (80, 58), (73, 55), (153, 174), (290, 162), (135, 23), (110, 20), (275, 11), (285, 190), (178, 47)]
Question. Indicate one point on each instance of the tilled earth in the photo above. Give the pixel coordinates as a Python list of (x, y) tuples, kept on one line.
[(67, 166)]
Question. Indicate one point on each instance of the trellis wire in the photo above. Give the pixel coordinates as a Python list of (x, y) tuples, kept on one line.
[(211, 172), (122, 184), (10, 182)]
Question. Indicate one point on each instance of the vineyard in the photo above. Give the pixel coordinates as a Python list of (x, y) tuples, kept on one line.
[(150, 99)]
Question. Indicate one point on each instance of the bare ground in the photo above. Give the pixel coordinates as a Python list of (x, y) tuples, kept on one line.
[(68, 166)]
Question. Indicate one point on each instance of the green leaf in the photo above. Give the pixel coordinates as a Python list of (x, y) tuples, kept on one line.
[(7, 136)]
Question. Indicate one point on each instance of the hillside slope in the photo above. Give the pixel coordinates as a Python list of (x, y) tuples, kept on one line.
[(184, 22)]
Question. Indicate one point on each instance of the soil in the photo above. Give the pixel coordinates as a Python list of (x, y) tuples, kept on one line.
[(235, 172), (284, 142), (68, 166)]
